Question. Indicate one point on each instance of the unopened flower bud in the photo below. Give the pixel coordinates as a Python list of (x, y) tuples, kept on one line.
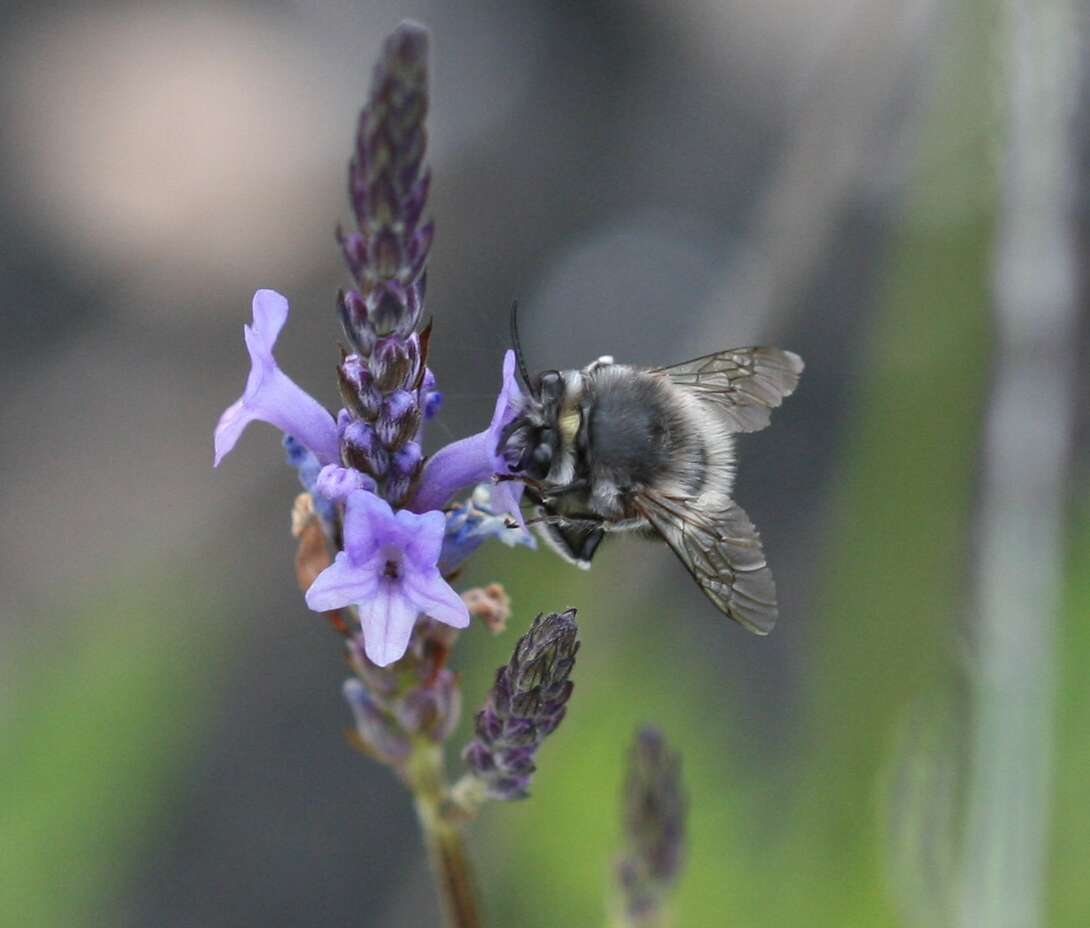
[(358, 388), (399, 419), (430, 397), (406, 461), (386, 252), (376, 730), (363, 450), (338, 483), (490, 604), (396, 488), (432, 708), (417, 252), (387, 308), (354, 247), (394, 363), (413, 205), (354, 320)]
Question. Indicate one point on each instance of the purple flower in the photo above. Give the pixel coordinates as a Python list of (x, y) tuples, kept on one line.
[(388, 571), (474, 521), (474, 459), (270, 395)]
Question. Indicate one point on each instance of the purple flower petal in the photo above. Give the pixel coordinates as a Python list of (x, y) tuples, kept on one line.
[(270, 395), (506, 497), (388, 618), (474, 459), (270, 313), (423, 536), (341, 584), (433, 595), (366, 517)]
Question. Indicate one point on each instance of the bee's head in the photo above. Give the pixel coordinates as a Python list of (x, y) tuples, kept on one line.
[(531, 441)]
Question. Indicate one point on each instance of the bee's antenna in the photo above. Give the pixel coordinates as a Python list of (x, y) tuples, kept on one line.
[(517, 345)]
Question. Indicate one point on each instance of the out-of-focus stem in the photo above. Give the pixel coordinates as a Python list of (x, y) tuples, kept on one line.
[(443, 839), (1026, 451), (660, 918)]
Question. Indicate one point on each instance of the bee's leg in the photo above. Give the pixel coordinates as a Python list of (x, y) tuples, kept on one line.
[(575, 541), (569, 489), (568, 518), (535, 485)]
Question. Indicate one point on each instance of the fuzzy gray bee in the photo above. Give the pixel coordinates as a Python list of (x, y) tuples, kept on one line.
[(614, 448)]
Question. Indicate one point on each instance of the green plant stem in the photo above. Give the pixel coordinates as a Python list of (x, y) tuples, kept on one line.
[(443, 839)]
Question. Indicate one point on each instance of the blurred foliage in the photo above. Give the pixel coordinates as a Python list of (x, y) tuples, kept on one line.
[(1070, 845), (94, 749)]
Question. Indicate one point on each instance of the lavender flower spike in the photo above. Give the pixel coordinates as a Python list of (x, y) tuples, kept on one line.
[(527, 702), (474, 459), (654, 828), (270, 395), (388, 571)]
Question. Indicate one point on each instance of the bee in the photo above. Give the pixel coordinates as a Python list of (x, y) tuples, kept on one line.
[(617, 448)]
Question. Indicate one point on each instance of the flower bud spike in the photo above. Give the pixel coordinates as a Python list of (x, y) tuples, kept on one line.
[(527, 702), (653, 817)]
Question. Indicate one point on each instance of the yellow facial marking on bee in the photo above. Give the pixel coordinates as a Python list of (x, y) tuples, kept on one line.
[(568, 423)]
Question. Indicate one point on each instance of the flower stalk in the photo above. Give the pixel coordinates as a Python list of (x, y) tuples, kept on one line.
[(443, 838)]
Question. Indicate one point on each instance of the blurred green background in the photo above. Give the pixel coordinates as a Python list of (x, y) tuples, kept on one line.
[(652, 181)]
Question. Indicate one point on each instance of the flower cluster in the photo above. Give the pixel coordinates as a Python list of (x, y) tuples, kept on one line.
[(367, 461)]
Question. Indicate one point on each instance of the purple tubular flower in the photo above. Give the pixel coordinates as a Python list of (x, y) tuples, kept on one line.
[(471, 523), (474, 459), (303, 460), (270, 395), (388, 571), (526, 704)]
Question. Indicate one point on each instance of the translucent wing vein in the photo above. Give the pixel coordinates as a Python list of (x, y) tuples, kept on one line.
[(722, 551), (745, 383)]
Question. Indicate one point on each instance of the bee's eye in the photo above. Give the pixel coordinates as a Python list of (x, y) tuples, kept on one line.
[(540, 462)]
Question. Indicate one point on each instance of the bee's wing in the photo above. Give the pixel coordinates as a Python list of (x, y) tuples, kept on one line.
[(723, 553), (745, 383)]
